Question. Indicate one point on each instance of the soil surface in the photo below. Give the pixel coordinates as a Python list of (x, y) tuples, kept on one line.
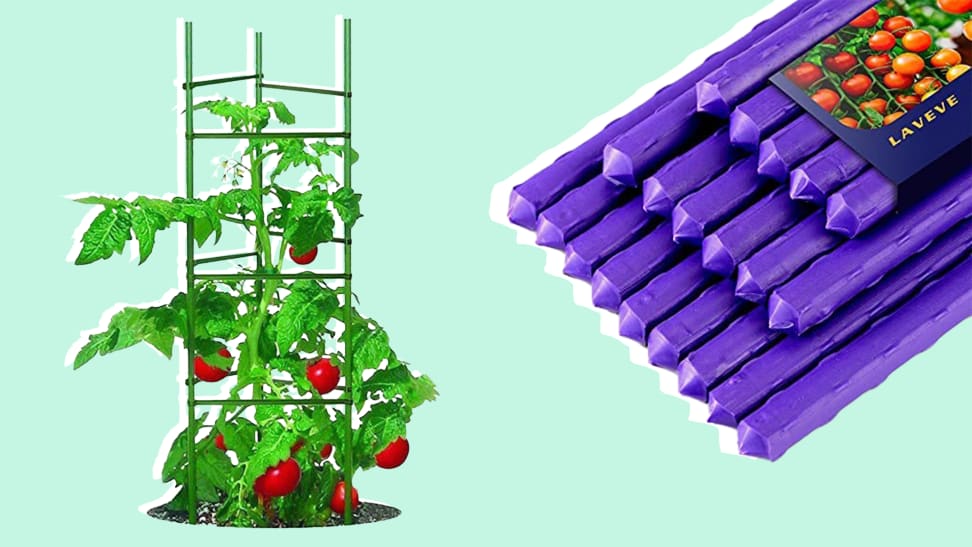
[(366, 513)]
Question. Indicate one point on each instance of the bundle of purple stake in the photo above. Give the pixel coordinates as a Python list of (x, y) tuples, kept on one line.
[(747, 249)]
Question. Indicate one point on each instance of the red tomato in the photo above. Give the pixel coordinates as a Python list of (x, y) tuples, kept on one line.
[(879, 64), (908, 64), (259, 486), (898, 25), (945, 57), (895, 80), (305, 258), (804, 74), (841, 62), (831, 40), (891, 118), (280, 479), (857, 85), (220, 442), (955, 7), (828, 99), (337, 499), (878, 105), (916, 40), (927, 84), (393, 455), (297, 446), (881, 41), (908, 101), (849, 122), (323, 375), (967, 30), (208, 373), (326, 451), (867, 19)]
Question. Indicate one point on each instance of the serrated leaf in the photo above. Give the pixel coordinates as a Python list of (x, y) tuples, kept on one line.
[(282, 114), (101, 343), (145, 223), (101, 200), (383, 423), (311, 230), (273, 448), (105, 236), (306, 309), (347, 204)]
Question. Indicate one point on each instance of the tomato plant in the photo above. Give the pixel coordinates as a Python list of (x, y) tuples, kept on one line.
[(828, 99), (857, 85), (841, 62), (896, 80), (882, 41), (908, 64), (867, 19), (263, 338), (957, 7), (804, 75), (898, 25)]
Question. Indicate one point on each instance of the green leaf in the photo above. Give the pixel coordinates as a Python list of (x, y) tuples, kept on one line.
[(348, 205), (145, 223), (101, 343), (383, 423), (101, 200), (399, 381), (273, 448), (106, 236), (282, 114), (307, 232), (306, 309)]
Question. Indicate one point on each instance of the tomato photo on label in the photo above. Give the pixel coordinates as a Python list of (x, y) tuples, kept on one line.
[(955, 7), (393, 455), (881, 41), (828, 99), (281, 479), (857, 85), (831, 40), (305, 258), (849, 122), (323, 375), (908, 101), (896, 80), (916, 40), (208, 373), (867, 19), (956, 71), (908, 64), (804, 74), (898, 25), (337, 498), (946, 57), (927, 84), (967, 30), (878, 105), (841, 62), (879, 64), (891, 118)]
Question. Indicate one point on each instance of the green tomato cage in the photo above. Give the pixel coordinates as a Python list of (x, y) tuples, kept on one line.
[(344, 452)]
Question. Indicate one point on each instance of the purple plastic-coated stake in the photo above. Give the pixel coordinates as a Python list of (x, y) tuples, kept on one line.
[(627, 270), (668, 292), (577, 211), (786, 148), (692, 325), (698, 214), (759, 378), (861, 204), (647, 145), (862, 365), (760, 116), (833, 279), (729, 349), (529, 199), (779, 260), (734, 242), (744, 74), (821, 175), (688, 172), (614, 232)]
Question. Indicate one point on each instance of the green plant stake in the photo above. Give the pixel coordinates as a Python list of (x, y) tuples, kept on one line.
[(302, 369)]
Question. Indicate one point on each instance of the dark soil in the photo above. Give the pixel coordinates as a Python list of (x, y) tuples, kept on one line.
[(366, 513)]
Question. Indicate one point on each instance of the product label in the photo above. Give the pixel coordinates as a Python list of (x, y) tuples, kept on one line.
[(894, 84)]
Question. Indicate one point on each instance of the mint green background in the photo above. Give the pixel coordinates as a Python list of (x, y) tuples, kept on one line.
[(544, 431)]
